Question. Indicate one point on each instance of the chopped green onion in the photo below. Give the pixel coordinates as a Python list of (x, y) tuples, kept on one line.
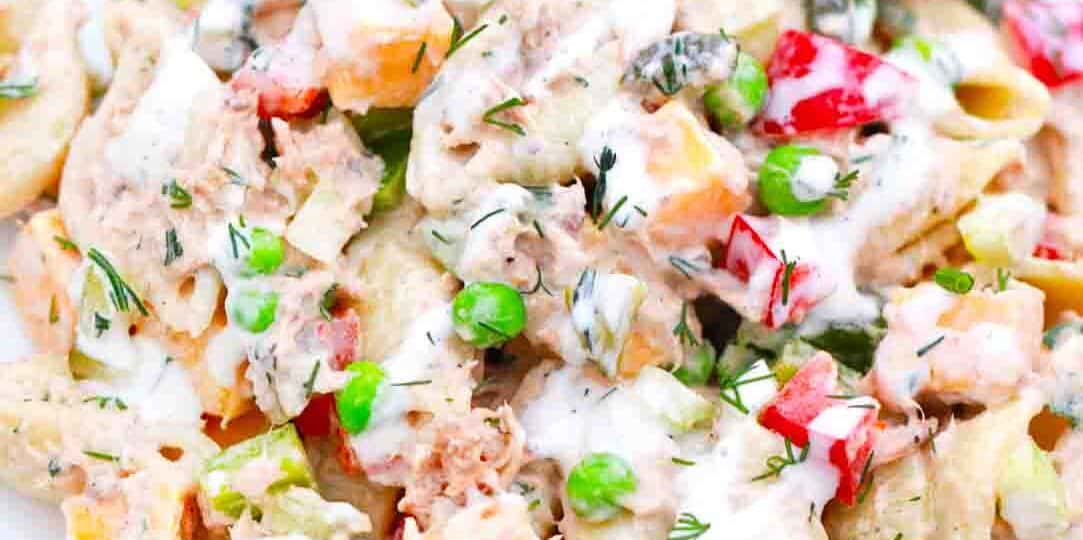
[(954, 280)]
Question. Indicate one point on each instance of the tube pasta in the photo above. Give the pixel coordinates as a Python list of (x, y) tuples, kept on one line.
[(35, 131), (946, 493), (963, 176), (42, 268), (188, 304), (255, 263), (399, 280)]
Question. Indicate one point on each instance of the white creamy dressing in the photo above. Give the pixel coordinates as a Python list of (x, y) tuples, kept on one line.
[(980, 364), (892, 184), (282, 356), (638, 24), (156, 129), (575, 416), (882, 84), (814, 178), (92, 45), (342, 22), (427, 342), (787, 92), (141, 373), (718, 489), (756, 387), (487, 227), (618, 126), (603, 316), (836, 423), (934, 95)]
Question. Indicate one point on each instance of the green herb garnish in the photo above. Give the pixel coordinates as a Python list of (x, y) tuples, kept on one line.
[(488, 117), (121, 292), (954, 280)]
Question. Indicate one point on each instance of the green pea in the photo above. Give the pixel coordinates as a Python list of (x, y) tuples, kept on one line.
[(254, 310), (596, 485), (487, 314), (266, 253), (354, 401), (735, 102), (776, 182)]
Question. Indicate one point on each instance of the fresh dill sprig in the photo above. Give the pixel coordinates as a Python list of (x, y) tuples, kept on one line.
[(234, 236), (684, 333), (612, 212), (842, 185), (688, 527), (419, 382), (458, 40), (105, 401), (605, 163), (102, 456), (65, 244), (776, 463), (929, 346), (420, 54), (173, 248), (485, 217), (179, 197), (234, 176), (787, 277), (101, 324), (538, 285), (730, 383), (489, 116), (121, 294), (684, 266)]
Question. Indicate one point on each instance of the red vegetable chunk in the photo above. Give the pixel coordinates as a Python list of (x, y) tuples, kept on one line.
[(821, 84), (1048, 36)]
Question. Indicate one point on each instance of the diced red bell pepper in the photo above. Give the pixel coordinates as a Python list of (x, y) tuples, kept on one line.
[(844, 434), (841, 431), (822, 84), (802, 398), (1049, 38), (790, 295), (315, 420), (745, 250), (341, 335), (286, 85), (1048, 251), (277, 101), (747, 253)]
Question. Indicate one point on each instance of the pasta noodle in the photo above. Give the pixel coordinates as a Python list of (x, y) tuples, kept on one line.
[(545, 269)]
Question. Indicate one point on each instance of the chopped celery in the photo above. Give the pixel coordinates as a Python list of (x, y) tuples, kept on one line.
[(1030, 494), (603, 307), (698, 366), (387, 133), (1003, 229), (681, 407), (302, 511), (277, 453)]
